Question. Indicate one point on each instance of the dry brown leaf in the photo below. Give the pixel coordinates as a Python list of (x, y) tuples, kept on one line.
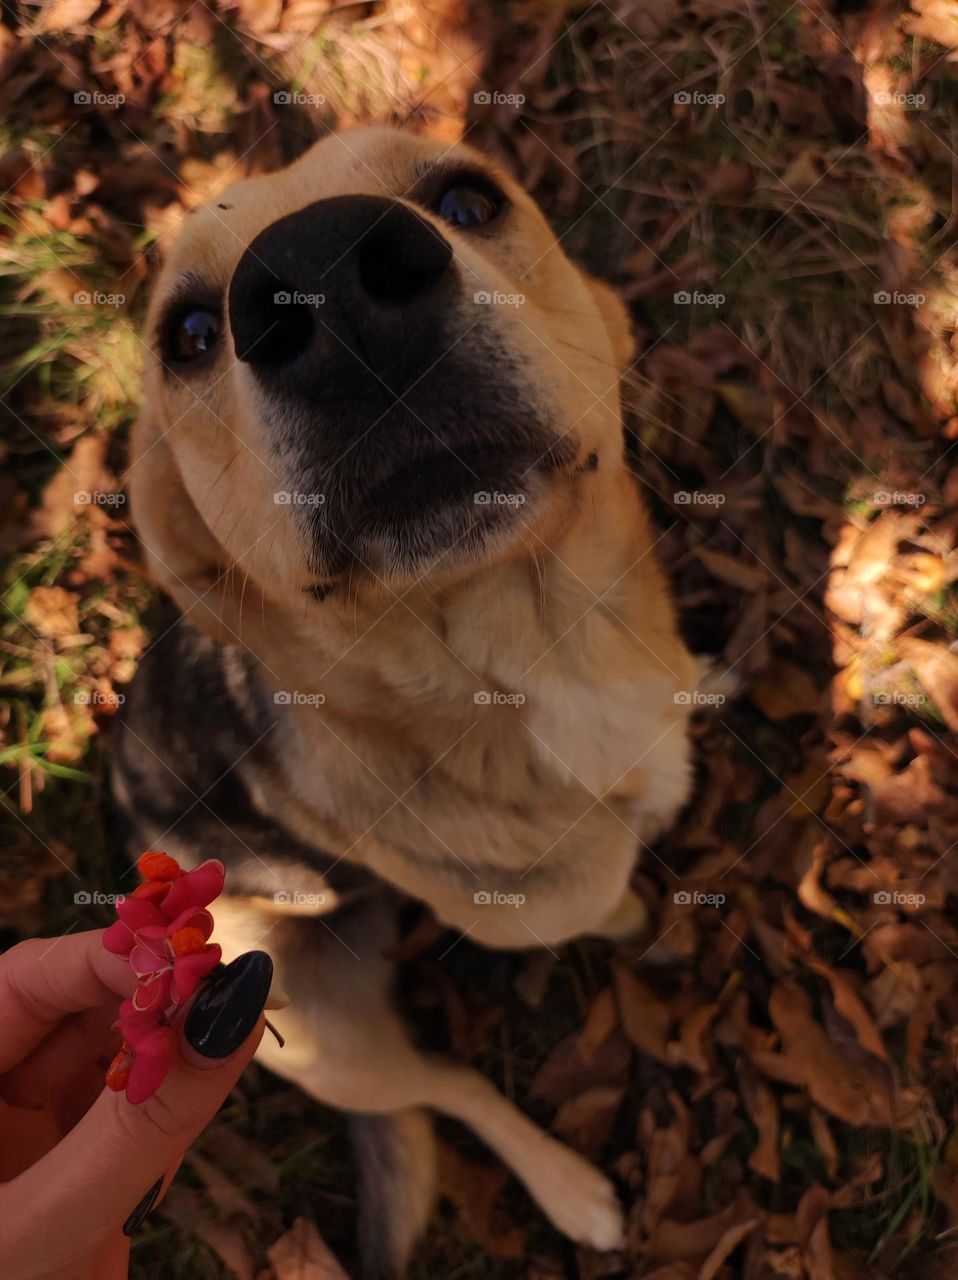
[(691, 1047), (666, 1169), (65, 498), (586, 1122), (302, 1254), (729, 1242), (65, 731), (937, 668), (762, 1108), (474, 1189), (850, 1006), (601, 1020), (189, 1210), (894, 992), (809, 1057), (732, 570), (818, 1253), (644, 1018), (65, 15), (566, 1072), (783, 690), (225, 1194), (672, 1239), (53, 612)]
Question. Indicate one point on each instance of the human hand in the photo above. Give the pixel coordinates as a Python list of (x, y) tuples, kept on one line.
[(80, 1166)]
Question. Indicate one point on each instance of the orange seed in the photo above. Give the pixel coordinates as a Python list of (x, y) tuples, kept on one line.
[(158, 866)]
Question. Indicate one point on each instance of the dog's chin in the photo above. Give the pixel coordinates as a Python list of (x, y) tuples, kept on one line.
[(440, 516)]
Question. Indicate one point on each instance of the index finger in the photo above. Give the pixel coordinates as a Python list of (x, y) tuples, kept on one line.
[(44, 979)]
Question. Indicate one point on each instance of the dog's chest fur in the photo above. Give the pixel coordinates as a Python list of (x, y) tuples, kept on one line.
[(521, 733), (493, 743)]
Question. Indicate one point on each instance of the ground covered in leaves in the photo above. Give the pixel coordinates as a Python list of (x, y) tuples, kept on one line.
[(770, 1075)]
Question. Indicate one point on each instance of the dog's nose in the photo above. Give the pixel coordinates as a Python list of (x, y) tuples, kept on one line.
[(345, 288)]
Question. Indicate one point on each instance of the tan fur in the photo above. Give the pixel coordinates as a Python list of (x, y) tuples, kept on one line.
[(546, 796)]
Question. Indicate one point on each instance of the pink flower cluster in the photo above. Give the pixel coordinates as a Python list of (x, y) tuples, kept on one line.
[(163, 928)]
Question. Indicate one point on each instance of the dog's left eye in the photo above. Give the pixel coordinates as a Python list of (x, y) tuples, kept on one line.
[(466, 206), (191, 334)]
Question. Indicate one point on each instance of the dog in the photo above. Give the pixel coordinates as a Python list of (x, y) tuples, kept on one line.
[(420, 647)]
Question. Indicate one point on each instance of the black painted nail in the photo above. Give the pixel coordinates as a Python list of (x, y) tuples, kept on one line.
[(226, 1012), (135, 1220)]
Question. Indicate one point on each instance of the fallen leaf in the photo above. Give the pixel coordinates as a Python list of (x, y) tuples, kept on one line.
[(762, 1108), (645, 1018), (302, 1254)]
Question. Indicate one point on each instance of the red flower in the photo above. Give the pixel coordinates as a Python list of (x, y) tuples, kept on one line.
[(163, 928)]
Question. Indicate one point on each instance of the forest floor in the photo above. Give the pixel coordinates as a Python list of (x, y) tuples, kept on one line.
[(771, 1077)]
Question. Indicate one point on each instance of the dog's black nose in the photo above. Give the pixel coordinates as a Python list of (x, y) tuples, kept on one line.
[(346, 288)]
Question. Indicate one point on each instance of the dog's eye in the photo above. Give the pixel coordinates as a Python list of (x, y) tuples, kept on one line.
[(191, 334), (467, 206)]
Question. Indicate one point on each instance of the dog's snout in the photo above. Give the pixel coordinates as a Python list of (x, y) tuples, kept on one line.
[(401, 256), (347, 285)]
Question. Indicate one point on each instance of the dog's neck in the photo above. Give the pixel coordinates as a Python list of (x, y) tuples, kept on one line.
[(586, 603)]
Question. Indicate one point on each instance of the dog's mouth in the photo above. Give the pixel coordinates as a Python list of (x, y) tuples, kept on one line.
[(448, 498), (447, 478), (441, 505), (453, 469)]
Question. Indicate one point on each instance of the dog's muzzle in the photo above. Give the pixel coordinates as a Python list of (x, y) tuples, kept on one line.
[(350, 295)]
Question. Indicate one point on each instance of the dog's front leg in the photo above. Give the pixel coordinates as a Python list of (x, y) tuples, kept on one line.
[(346, 1046)]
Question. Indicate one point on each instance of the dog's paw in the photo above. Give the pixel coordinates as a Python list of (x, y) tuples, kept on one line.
[(579, 1200)]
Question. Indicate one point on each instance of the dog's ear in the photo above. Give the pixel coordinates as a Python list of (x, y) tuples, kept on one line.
[(616, 317), (181, 553)]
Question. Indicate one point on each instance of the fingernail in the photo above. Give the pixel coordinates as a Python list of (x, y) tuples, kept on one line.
[(226, 1012), (135, 1220)]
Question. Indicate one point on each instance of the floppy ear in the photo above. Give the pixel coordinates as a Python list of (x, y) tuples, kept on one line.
[(613, 311)]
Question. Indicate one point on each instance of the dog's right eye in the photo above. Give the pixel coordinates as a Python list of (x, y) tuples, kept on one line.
[(192, 332)]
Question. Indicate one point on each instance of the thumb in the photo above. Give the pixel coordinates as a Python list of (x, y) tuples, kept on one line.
[(91, 1181)]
